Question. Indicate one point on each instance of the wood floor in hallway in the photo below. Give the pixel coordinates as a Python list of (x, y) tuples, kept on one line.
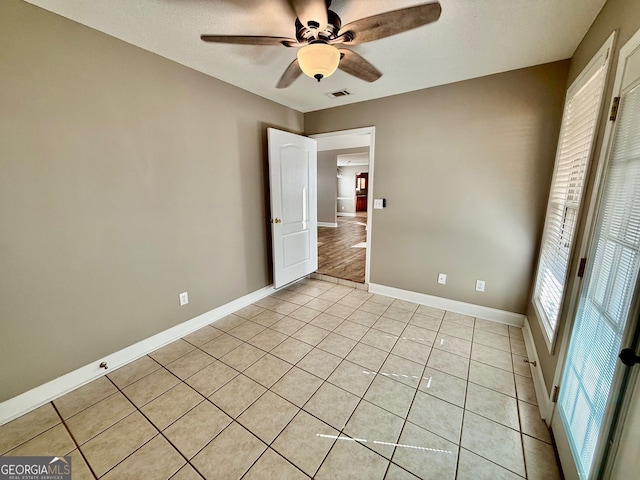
[(337, 254)]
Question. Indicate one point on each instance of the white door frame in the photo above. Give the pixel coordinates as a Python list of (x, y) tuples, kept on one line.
[(357, 137)]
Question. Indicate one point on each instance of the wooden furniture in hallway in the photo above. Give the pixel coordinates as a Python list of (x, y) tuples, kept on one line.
[(362, 181)]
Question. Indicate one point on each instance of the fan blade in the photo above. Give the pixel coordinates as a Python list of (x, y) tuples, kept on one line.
[(250, 40), (390, 23), (311, 11), (290, 75), (355, 65)]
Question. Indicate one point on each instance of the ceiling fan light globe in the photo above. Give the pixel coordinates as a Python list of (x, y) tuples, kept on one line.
[(318, 59)]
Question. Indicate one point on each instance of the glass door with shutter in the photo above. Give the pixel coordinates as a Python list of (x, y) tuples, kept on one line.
[(592, 374)]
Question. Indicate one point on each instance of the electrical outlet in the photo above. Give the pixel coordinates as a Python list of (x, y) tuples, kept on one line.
[(184, 299), (442, 278), (479, 285)]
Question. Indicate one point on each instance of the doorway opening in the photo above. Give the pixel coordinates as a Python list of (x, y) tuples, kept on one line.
[(345, 200)]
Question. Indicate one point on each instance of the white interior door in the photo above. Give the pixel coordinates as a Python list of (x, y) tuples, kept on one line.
[(593, 382), (294, 217)]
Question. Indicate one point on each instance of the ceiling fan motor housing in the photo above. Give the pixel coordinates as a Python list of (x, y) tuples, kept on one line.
[(310, 32)]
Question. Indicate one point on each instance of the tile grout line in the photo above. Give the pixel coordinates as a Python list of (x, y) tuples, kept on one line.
[(36, 435), (316, 391), (206, 399), (341, 431), (499, 423), (160, 432), (274, 451), (466, 396), (73, 439), (365, 392), (519, 431), (417, 388), (406, 419), (515, 384), (300, 409)]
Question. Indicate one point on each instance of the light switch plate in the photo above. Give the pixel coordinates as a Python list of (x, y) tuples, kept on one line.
[(378, 203)]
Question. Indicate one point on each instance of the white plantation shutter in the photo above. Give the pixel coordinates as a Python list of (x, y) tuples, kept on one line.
[(575, 145)]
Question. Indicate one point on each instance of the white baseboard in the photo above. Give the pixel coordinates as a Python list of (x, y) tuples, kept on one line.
[(542, 396), (327, 224), (34, 398), (341, 214), (486, 313)]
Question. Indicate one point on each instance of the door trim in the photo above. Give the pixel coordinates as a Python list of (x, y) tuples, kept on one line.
[(364, 136)]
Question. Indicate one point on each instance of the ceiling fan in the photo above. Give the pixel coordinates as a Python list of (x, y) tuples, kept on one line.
[(321, 38)]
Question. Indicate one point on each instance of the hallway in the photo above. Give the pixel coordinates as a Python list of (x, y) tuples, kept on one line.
[(338, 255)]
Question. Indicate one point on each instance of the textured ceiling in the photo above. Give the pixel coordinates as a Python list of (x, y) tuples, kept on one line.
[(473, 38)]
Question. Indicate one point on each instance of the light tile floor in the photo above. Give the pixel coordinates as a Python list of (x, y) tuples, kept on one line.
[(319, 380)]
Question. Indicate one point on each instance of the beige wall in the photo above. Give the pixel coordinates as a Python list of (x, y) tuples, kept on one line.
[(623, 16), (125, 179), (327, 182), (327, 187), (465, 169), (347, 188)]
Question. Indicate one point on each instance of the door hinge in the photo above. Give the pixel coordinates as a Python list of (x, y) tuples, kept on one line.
[(581, 268), (556, 392), (614, 109)]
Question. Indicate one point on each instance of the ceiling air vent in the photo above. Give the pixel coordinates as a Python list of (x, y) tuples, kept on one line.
[(340, 93)]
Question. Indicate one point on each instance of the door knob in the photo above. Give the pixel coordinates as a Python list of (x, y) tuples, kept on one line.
[(628, 357)]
